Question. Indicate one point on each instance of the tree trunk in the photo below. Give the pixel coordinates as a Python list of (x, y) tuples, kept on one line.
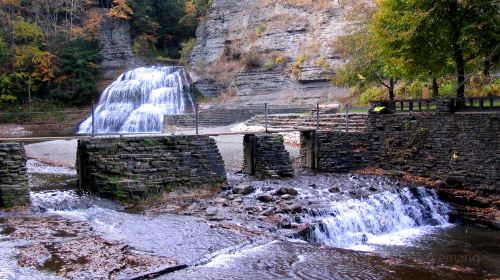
[(391, 89), (458, 54), (435, 88), (487, 65), (29, 94)]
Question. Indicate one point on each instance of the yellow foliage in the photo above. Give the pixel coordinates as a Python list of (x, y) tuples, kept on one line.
[(280, 59), (296, 67), (189, 7), (120, 10), (322, 63)]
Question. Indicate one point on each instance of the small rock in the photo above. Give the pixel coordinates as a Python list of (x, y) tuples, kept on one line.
[(334, 190), (287, 190), (286, 197), (372, 189), (212, 211), (265, 197), (227, 188), (440, 183), (267, 212), (400, 173), (243, 189), (455, 181), (220, 200), (313, 186), (297, 208), (482, 201), (285, 223)]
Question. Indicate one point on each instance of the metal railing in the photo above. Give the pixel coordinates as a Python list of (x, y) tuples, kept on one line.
[(452, 104), (263, 118)]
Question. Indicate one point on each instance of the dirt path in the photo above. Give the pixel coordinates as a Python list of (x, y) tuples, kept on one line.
[(59, 152)]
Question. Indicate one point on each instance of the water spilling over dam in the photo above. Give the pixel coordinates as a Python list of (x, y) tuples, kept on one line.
[(385, 218), (137, 101)]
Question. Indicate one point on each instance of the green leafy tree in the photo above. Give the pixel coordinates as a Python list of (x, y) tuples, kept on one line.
[(366, 63), (422, 37), (77, 72)]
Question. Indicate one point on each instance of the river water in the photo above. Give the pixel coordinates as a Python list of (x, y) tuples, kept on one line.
[(383, 230)]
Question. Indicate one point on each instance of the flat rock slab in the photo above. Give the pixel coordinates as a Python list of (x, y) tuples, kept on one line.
[(73, 250)]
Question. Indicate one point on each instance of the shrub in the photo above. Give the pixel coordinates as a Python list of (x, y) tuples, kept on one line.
[(269, 65), (187, 49), (322, 63), (447, 90), (410, 90), (371, 94), (296, 67), (280, 59), (250, 60), (144, 45), (259, 29)]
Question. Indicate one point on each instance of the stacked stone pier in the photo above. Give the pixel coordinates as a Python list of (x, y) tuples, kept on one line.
[(14, 189), (265, 156)]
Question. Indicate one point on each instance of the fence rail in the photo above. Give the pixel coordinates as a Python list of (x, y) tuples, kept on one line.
[(416, 105)]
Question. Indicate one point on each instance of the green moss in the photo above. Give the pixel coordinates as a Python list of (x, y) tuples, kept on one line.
[(151, 142)]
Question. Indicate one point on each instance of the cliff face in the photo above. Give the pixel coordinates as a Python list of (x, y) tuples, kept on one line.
[(278, 51), (116, 48)]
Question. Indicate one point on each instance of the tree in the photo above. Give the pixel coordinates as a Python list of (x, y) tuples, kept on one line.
[(366, 63), (120, 9), (77, 71), (422, 36)]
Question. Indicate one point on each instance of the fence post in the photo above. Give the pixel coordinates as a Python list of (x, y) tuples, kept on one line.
[(265, 112), (93, 119), (346, 117), (317, 116), (196, 111)]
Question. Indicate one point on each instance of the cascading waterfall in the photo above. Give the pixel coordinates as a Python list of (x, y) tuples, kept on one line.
[(360, 221), (138, 100)]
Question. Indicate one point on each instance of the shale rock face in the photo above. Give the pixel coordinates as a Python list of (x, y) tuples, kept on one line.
[(282, 34), (116, 46)]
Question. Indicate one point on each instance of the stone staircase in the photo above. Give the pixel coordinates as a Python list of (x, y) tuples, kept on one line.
[(357, 121), (223, 117)]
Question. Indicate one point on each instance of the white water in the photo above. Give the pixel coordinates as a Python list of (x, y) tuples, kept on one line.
[(138, 100), (389, 218)]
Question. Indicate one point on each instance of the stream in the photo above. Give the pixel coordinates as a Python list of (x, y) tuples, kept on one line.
[(362, 227)]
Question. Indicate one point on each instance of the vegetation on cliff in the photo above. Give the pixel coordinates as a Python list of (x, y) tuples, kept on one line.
[(160, 28)]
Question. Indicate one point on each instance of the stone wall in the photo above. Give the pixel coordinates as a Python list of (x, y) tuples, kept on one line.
[(131, 168), (265, 156), (460, 152), (14, 188)]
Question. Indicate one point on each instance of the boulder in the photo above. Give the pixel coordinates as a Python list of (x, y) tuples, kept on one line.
[(243, 189)]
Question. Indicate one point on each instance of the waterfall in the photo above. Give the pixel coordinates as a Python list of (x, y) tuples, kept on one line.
[(363, 221), (138, 100)]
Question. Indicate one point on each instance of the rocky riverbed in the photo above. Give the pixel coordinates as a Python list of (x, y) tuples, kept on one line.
[(313, 226)]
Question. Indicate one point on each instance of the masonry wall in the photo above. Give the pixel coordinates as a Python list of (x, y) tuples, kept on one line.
[(14, 188), (265, 156), (132, 168), (462, 148)]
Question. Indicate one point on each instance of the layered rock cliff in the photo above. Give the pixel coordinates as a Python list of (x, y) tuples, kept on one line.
[(280, 52)]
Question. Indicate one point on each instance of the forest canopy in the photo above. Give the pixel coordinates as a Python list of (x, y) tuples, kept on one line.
[(49, 50)]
